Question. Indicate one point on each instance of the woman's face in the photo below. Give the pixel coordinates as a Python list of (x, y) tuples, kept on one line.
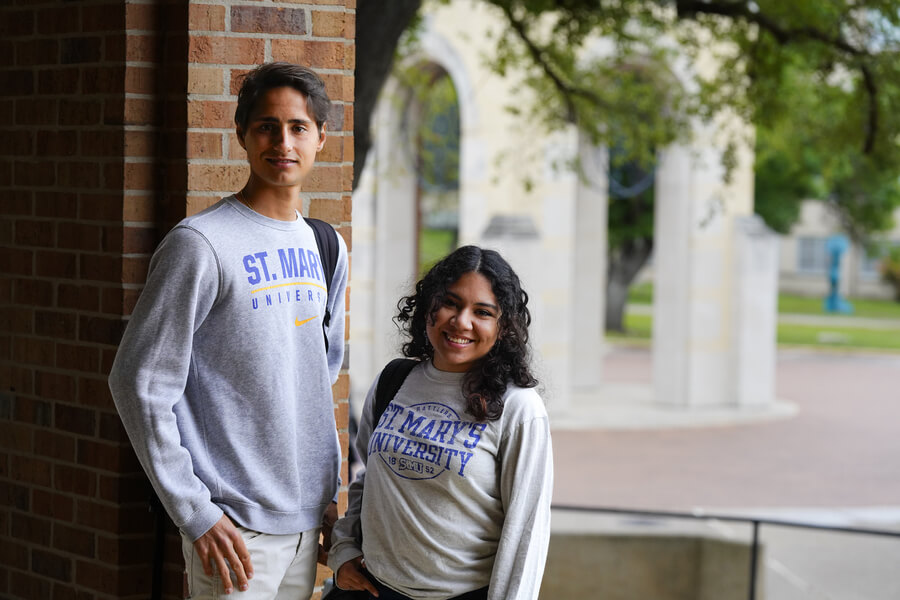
[(466, 324)]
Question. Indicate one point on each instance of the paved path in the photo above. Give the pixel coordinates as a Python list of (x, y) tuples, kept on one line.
[(841, 450)]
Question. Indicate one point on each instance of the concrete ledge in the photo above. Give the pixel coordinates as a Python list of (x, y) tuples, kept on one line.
[(631, 406), (630, 567)]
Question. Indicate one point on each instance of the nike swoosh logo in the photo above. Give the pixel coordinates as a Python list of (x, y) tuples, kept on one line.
[(298, 322)]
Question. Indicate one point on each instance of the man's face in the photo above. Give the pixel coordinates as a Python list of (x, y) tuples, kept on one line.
[(281, 139)]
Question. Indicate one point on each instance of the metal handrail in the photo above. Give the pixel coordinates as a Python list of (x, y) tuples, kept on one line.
[(755, 522)]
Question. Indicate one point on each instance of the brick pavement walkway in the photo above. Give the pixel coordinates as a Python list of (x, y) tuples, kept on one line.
[(840, 450)]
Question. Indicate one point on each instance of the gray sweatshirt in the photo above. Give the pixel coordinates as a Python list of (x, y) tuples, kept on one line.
[(451, 505), (222, 379)]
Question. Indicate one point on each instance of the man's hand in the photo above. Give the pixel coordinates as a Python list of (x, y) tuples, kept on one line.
[(222, 546), (328, 520), (350, 576)]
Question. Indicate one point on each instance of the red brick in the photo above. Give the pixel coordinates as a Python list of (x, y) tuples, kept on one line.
[(142, 47), (210, 114), (332, 24), (55, 445), (74, 480), (79, 112), (98, 578), (79, 236), (216, 177), (34, 412), (14, 555), (103, 456), (138, 240), (219, 50), (203, 17), (57, 143), (58, 20), (103, 80), (30, 529), (33, 351), (16, 83), (84, 359), (30, 471), (134, 269), (332, 211), (99, 267), (80, 50), (35, 233), (103, 17), (24, 585), (33, 292), (16, 23), (51, 564), (116, 44), (16, 261), (74, 419), (78, 297), (78, 175), (50, 504), (140, 111), (96, 515), (123, 551), (140, 80), (140, 176), (323, 179), (100, 330), (55, 386), (124, 488), (102, 143), (59, 81), (56, 204), (17, 320), (34, 173), (100, 207), (268, 20), (204, 145), (111, 429), (140, 143), (33, 52), (74, 540)]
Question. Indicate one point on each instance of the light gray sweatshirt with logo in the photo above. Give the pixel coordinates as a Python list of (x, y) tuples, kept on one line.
[(450, 504), (222, 379)]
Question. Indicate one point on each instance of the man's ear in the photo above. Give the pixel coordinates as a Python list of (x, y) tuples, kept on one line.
[(322, 137), (240, 136)]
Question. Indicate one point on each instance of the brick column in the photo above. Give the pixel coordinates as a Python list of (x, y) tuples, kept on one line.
[(116, 120)]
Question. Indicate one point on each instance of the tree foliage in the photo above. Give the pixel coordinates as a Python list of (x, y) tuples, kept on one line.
[(817, 78)]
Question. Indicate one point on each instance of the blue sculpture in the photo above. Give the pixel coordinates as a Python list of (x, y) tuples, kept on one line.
[(836, 245)]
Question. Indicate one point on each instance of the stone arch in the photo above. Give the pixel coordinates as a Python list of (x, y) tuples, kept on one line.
[(384, 211)]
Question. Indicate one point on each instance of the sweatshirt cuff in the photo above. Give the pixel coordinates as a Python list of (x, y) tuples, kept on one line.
[(202, 521), (340, 553)]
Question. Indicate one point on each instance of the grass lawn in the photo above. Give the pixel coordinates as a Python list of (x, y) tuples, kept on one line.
[(790, 304), (639, 328)]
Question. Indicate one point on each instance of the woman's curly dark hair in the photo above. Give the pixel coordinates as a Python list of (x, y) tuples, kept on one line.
[(508, 361)]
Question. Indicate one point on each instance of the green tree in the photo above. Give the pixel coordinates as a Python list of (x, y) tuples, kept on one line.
[(817, 78)]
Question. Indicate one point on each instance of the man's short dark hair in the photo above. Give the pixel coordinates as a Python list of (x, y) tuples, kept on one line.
[(282, 74)]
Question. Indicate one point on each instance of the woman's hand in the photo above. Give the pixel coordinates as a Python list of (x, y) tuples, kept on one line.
[(350, 576)]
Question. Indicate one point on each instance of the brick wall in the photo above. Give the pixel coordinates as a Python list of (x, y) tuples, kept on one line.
[(116, 121)]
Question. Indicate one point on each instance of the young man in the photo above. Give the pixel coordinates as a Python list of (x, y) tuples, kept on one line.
[(223, 380)]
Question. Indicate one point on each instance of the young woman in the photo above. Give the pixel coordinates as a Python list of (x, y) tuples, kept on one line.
[(455, 498)]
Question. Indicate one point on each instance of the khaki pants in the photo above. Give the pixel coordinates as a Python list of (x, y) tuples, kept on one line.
[(284, 568)]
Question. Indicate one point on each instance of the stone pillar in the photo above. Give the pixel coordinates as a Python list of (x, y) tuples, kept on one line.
[(589, 273), (697, 316), (755, 312)]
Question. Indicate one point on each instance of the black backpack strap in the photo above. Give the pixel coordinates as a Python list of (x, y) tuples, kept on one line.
[(327, 242), (389, 382)]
